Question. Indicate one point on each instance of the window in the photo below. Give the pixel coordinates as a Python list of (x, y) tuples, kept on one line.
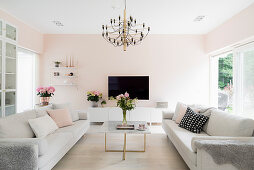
[(223, 81), (25, 80), (232, 81), (244, 80)]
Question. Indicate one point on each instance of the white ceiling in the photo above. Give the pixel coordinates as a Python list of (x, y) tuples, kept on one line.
[(87, 16)]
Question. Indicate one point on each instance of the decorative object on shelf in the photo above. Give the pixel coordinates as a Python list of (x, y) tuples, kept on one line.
[(94, 97), (124, 32), (103, 102), (57, 63), (69, 61), (45, 93), (56, 74), (125, 103)]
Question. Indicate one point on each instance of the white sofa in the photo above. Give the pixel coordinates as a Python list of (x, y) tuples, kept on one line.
[(221, 126), (50, 149)]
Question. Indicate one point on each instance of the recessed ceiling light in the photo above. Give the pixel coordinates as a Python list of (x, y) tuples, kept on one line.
[(199, 18), (58, 23)]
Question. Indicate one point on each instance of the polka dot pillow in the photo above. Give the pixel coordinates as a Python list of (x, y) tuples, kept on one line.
[(192, 121)]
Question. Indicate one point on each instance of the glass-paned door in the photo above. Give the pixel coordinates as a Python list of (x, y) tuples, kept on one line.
[(10, 64), (1, 55), (11, 32), (1, 28), (10, 103), (1, 105), (10, 79)]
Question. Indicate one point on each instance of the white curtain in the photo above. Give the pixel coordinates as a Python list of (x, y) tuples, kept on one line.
[(26, 79)]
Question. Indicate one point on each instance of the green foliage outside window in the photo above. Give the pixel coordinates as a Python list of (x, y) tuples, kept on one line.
[(225, 71)]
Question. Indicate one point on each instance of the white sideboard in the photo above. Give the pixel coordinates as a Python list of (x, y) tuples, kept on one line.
[(148, 114)]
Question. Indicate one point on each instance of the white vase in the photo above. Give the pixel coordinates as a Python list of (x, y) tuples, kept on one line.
[(94, 104)]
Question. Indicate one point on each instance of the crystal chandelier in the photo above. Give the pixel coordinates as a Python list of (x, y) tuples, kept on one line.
[(124, 32)]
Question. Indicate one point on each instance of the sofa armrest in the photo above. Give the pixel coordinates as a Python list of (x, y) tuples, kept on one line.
[(18, 156), (217, 138), (167, 114), (83, 115), (40, 143)]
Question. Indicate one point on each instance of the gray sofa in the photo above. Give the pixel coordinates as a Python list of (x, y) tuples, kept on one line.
[(226, 142), (19, 149)]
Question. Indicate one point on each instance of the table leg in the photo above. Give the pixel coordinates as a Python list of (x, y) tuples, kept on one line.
[(105, 142), (144, 142), (124, 146)]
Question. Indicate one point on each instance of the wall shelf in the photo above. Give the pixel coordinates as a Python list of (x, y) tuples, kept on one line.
[(62, 79)]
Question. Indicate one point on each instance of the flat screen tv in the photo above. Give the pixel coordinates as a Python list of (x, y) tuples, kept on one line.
[(136, 86)]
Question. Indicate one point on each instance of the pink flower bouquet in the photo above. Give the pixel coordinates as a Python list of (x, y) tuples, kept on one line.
[(45, 91), (94, 96)]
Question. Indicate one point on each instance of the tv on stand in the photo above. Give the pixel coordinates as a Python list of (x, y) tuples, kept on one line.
[(136, 86)]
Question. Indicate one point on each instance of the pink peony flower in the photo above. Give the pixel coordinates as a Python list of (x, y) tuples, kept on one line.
[(118, 97), (51, 89), (126, 94), (39, 89)]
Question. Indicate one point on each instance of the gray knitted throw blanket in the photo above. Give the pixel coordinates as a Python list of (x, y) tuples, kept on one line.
[(240, 154)]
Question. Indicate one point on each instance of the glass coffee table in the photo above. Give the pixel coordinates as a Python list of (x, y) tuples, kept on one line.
[(110, 127)]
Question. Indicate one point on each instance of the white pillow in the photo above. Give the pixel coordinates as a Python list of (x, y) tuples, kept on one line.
[(43, 126), (178, 110)]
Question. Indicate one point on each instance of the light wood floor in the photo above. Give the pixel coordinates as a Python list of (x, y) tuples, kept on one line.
[(89, 153)]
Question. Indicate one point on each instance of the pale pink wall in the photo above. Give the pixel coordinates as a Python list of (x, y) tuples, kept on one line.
[(27, 36), (238, 28), (176, 64)]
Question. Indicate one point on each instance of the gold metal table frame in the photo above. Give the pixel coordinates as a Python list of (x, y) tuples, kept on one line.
[(124, 146)]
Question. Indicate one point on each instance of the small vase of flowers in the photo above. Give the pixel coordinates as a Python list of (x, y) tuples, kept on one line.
[(125, 103), (94, 97), (45, 93)]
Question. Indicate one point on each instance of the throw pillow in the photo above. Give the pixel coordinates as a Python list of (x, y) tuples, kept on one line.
[(180, 107), (16, 126), (42, 126), (192, 121), (74, 113), (62, 117)]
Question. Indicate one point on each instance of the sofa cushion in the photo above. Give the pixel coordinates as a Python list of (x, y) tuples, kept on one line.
[(181, 138), (192, 121), (43, 126), (42, 111), (75, 129), (62, 117), (16, 126), (57, 142), (228, 124)]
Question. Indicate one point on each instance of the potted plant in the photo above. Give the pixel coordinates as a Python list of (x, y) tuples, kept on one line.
[(45, 93), (103, 102), (125, 103), (94, 97), (57, 63)]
